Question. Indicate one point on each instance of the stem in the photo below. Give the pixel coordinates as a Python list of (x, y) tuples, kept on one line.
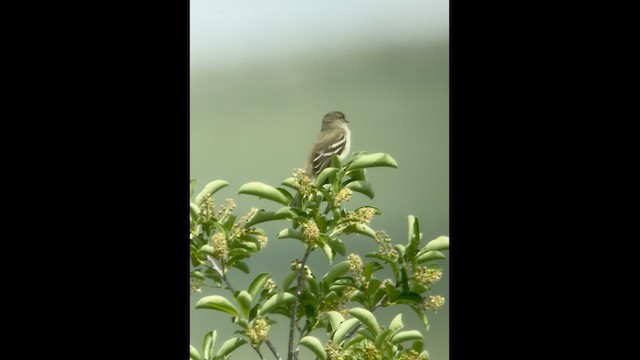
[(273, 349), (302, 331), (258, 352), (220, 273), (230, 287), (294, 312)]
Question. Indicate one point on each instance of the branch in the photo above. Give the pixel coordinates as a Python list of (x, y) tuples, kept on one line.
[(294, 312)]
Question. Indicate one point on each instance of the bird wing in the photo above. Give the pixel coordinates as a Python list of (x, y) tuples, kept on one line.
[(327, 144)]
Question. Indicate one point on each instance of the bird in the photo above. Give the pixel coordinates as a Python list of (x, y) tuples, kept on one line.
[(334, 139)]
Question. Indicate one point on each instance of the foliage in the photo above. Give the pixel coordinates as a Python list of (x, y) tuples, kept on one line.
[(343, 301)]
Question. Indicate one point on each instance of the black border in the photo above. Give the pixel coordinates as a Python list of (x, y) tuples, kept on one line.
[(112, 280)]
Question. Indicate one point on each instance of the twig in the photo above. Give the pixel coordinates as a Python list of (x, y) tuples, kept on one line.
[(302, 332), (220, 273), (273, 349), (258, 352), (294, 312)]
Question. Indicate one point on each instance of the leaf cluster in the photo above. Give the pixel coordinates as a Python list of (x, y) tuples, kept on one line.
[(343, 301)]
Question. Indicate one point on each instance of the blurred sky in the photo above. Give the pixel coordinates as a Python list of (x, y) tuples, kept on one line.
[(228, 31)]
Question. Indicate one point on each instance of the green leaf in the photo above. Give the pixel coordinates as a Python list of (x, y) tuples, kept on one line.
[(396, 324), (335, 319), (336, 271), (370, 268), (242, 266), (381, 338), (290, 234), (286, 194), (298, 214), (309, 298), (440, 243), (249, 242), (418, 288), (230, 221), (258, 284), (245, 248), (400, 249), (290, 182), (414, 236), (209, 343), (360, 229), (406, 336), (392, 292), (328, 252), (417, 346), (324, 174), (263, 216), (242, 322), (330, 297), (192, 184), (338, 246), (209, 190), (230, 345), (367, 318), (375, 256), (421, 316), (197, 274), (217, 302), (207, 249), (244, 300), (313, 344), (357, 338), (288, 280), (373, 160), (404, 280), (367, 334), (335, 161), (194, 210), (431, 255), (313, 284), (360, 298), (372, 287), (263, 190), (193, 353), (340, 284), (324, 191), (361, 186), (254, 312), (378, 295), (359, 174), (343, 329), (275, 301)]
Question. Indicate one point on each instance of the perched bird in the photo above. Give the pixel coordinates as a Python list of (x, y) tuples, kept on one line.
[(334, 138)]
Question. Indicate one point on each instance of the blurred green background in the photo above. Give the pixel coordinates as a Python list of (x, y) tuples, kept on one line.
[(262, 77)]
